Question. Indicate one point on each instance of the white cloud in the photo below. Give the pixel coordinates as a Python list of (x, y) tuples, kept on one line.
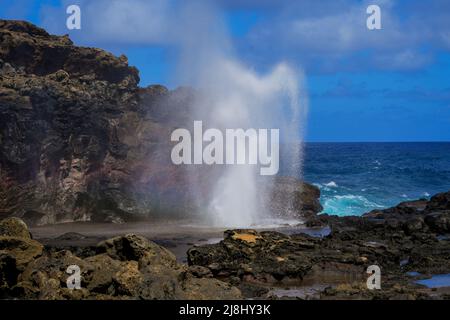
[(325, 35), (116, 21), (335, 37)]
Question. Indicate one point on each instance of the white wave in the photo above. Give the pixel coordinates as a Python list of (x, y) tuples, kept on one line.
[(349, 205), (331, 184)]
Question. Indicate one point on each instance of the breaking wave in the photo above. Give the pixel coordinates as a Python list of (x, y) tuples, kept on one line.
[(349, 205)]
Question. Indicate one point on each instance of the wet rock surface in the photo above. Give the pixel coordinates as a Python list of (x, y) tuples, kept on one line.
[(245, 264), (408, 237), (292, 198)]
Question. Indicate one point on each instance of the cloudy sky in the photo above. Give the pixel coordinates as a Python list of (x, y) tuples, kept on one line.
[(391, 84)]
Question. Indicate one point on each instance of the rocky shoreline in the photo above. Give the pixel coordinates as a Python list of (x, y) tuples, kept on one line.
[(408, 242), (411, 238)]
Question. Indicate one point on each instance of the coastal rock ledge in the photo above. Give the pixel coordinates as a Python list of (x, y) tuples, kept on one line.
[(408, 242)]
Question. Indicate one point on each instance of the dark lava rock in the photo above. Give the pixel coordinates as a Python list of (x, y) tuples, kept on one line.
[(263, 257), (128, 267), (417, 216), (8, 274), (439, 221), (36, 52), (133, 247), (290, 197), (399, 239), (70, 236), (438, 202)]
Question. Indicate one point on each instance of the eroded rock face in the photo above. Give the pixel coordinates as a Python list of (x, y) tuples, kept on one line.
[(33, 49), (128, 267), (76, 140)]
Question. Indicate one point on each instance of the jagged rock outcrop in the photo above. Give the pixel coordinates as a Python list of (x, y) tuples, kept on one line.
[(412, 236), (34, 51), (419, 215), (75, 140), (126, 267)]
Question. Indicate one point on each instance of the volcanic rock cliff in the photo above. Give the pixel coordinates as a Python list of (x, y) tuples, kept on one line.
[(79, 140)]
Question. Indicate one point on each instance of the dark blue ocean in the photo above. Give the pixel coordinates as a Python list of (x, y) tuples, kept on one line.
[(357, 177)]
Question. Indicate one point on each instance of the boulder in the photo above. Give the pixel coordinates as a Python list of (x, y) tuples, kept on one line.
[(439, 202), (290, 197), (128, 279), (23, 250), (253, 256), (14, 227), (127, 267), (138, 248), (102, 270)]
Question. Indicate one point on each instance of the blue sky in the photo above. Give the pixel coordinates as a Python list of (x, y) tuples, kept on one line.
[(391, 84)]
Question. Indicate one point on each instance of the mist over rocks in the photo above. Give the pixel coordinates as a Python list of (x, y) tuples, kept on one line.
[(77, 141), (80, 141), (292, 198)]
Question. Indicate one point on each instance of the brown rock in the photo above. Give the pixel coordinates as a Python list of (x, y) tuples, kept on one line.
[(23, 250), (128, 279), (14, 227), (138, 248)]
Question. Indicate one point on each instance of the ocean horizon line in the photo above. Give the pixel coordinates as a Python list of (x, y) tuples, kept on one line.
[(435, 141)]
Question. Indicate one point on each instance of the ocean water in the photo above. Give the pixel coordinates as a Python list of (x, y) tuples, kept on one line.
[(355, 178), (436, 281)]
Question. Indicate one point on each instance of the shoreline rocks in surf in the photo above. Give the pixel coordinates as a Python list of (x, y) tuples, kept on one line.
[(408, 237), (124, 267)]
